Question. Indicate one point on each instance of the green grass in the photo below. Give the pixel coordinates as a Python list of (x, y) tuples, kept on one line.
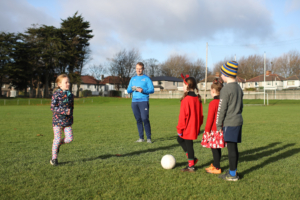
[(91, 169)]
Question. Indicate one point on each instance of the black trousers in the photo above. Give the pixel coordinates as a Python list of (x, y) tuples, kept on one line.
[(233, 155), (217, 157), (187, 146)]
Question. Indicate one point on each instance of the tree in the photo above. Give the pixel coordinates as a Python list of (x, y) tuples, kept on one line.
[(176, 65), (97, 71), (287, 64), (7, 42), (76, 34), (151, 67), (123, 65)]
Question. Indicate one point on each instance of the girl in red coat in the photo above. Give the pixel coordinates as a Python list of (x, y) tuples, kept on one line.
[(211, 137), (190, 120)]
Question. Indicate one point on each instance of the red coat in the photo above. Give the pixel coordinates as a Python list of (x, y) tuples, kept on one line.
[(212, 116), (190, 118)]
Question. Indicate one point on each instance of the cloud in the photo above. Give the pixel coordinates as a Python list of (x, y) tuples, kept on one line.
[(17, 15), (292, 5), (119, 24), (173, 21)]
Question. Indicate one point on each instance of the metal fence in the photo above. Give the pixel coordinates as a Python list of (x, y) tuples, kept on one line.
[(270, 94), (37, 102)]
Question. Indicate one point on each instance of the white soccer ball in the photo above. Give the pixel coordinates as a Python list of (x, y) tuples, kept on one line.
[(168, 161)]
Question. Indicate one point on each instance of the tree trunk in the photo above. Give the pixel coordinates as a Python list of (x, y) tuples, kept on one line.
[(1, 87), (77, 93), (38, 87), (46, 95), (31, 88)]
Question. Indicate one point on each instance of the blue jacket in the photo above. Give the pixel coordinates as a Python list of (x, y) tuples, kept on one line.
[(143, 82), (60, 103)]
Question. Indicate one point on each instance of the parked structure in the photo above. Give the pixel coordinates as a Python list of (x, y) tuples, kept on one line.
[(292, 82), (167, 83), (273, 81), (211, 78)]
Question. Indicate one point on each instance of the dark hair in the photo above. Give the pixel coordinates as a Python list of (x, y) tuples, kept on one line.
[(140, 64), (192, 84), (217, 85)]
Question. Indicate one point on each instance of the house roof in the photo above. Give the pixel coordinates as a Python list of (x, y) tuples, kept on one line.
[(89, 80), (211, 78), (270, 77), (294, 77), (166, 78), (112, 80)]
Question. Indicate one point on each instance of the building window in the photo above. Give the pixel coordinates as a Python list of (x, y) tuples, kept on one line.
[(248, 84), (256, 84), (173, 82), (290, 83), (177, 84), (88, 86)]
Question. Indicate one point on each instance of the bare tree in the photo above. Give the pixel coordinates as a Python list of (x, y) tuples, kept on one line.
[(287, 64), (97, 71), (197, 70), (175, 65), (152, 67), (123, 64), (180, 64)]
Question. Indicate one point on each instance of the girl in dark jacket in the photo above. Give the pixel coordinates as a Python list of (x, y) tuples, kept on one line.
[(62, 105)]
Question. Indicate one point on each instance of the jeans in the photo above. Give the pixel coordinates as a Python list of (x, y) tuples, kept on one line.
[(141, 114)]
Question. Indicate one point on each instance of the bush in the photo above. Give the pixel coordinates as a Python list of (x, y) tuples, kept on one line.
[(86, 93), (115, 93), (250, 89)]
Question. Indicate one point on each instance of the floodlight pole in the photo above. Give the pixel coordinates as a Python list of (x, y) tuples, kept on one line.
[(205, 73), (265, 79)]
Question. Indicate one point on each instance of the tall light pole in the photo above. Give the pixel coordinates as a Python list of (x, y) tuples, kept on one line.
[(206, 73), (265, 79)]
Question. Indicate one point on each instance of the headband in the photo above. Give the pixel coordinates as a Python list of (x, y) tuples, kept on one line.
[(184, 77)]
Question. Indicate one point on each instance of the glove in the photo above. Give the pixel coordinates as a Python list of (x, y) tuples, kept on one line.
[(180, 134)]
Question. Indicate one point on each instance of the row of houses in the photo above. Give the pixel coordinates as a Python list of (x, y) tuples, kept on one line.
[(166, 83), (271, 82)]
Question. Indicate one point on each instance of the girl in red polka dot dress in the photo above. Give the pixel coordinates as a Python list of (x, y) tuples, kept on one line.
[(211, 137)]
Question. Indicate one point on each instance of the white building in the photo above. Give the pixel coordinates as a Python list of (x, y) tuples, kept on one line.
[(273, 81), (292, 82)]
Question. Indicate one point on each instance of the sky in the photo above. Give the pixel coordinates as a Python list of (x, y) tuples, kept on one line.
[(161, 28)]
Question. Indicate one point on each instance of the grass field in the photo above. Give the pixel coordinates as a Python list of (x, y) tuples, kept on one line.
[(104, 162)]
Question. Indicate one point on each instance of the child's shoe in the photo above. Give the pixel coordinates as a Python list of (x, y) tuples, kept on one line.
[(228, 177), (214, 171), (210, 167), (188, 169), (54, 162)]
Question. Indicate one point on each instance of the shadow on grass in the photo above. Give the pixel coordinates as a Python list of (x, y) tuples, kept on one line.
[(266, 153), (247, 152), (283, 155), (106, 156)]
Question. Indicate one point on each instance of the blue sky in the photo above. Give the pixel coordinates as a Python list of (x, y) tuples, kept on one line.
[(159, 29)]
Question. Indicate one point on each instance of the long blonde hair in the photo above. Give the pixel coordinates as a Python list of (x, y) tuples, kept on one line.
[(192, 84), (59, 80)]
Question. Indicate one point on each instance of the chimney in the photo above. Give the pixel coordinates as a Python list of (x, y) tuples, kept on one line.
[(102, 77), (268, 73)]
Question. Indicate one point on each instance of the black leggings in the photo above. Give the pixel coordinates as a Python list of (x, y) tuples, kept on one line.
[(187, 146), (233, 155), (217, 157)]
